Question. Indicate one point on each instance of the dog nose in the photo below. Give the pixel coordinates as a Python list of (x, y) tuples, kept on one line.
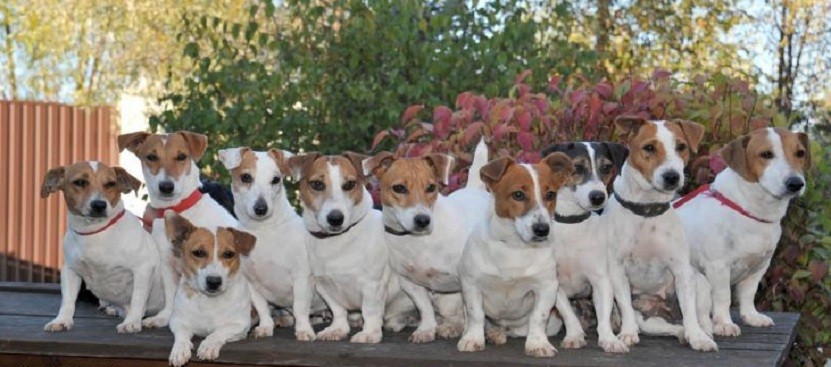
[(166, 187), (98, 206), (540, 229), (260, 207), (213, 282), (671, 179), (597, 197), (794, 184), (335, 218), (421, 221)]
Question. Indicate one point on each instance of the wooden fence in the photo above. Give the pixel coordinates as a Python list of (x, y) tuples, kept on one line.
[(35, 137)]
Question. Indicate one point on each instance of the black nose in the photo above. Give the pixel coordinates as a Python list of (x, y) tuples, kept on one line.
[(213, 283), (671, 179), (421, 221), (260, 207), (794, 184), (166, 187), (98, 206), (335, 218), (540, 229), (597, 197)]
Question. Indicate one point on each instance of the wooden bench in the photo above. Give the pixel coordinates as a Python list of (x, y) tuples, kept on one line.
[(93, 341)]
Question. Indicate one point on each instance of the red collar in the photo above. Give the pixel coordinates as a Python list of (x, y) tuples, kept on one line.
[(102, 229), (183, 205), (706, 190)]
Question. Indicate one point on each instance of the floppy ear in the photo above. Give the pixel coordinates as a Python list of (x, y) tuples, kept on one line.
[(281, 157), (560, 165), (132, 141), (300, 164), (377, 164), (243, 241), (52, 182), (231, 157), (178, 230), (197, 143), (492, 172), (356, 159), (559, 147), (442, 165), (693, 131), (126, 181), (629, 125), (618, 152), (735, 156), (806, 144)]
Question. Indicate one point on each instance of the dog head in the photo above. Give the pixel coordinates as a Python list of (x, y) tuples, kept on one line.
[(257, 180), (91, 189), (409, 188), (207, 259), (595, 164), (332, 190), (168, 161), (525, 194), (659, 150), (773, 157)]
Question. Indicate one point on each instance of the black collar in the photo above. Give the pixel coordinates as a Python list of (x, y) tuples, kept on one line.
[(572, 219), (323, 235), (394, 232), (644, 210)]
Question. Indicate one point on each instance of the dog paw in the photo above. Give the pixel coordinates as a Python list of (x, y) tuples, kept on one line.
[(702, 343), (333, 333), (496, 336), (132, 326), (574, 341), (356, 321), (471, 344), (629, 338), (153, 322), (613, 345), (540, 349), (208, 350), (757, 320), (180, 354), (395, 324), (284, 321), (366, 337), (727, 329), (423, 336), (450, 330), (263, 331), (58, 325), (305, 335)]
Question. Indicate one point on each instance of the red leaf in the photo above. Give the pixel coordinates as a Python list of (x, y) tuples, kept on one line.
[(604, 90), (501, 131), (441, 129), (463, 100), (525, 140), (411, 112), (506, 113), (661, 74), (554, 82), (443, 114), (521, 77), (522, 90), (717, 163), (379, 137), (417, 134), (473, 130), (818, 270), (523, 119)]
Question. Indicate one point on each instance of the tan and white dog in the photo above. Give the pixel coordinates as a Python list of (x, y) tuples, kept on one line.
[(508, 271), (278, 268), (733, 225), (648, 255), (212, 298), (580, 245), (348, 253), (105, 245), (426, 232)]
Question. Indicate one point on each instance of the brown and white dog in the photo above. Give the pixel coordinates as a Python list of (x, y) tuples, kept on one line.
[(647, 252), (347, 249), (733, 225), (508, 270), (105, 245)]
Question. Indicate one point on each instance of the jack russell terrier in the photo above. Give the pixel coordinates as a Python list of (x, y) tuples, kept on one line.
[(648, 256), (212, 298), (105, 245), (508, 271), (347, 250), (278, 268), (168, 164), (426, 232), (580, 246), (733, 225)]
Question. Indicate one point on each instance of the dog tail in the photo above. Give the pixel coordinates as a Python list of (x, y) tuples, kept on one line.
[(480, 158)]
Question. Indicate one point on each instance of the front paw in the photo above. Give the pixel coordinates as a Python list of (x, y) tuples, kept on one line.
[(450, 330), (131, 326), (496, 336), (180, 354), (263, 331), (423, 336), (574, 341), (613, 345), (702, 343), (158, 321), (305, 335), (333, 333), (366, 337), (208, 350), (727, 329), (630, 338), (470, 344), (539, 349), (757, 320), (58, 325)]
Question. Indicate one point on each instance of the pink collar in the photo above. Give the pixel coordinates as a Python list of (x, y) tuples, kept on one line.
[(706, 190), (102, 229)]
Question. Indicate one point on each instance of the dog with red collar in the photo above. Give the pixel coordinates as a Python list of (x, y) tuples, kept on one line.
[(733, 225)]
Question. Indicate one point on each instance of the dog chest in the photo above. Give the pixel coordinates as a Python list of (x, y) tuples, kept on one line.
[(435, 270)]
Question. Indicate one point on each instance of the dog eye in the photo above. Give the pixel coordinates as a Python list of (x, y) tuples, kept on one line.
[(649, 148), (317, 185), (80, 183), (199, 253), (579, 169), (246, 178), (399, 189), (152, 157), (228, 254), (518, 195), (109, 185), (550, 196), (800, 153), (181, 157), (681, 147), (766, 154), (431, 188), (606, 168), (348, 186), (275, 180)]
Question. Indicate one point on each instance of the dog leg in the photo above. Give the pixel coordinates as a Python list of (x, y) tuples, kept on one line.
[(719, 277), (210, 347), (623, 295), (703, 302), (301, 307), (536, 343), (70, 286), (746, 291), (266, 326), (372, 309), (426, 331), (575, 336), (182, 346), (660, 327), (451, 311), (168, 276), (685, 289), (339, 328), (603, 297), (473, 338), (138, 301)]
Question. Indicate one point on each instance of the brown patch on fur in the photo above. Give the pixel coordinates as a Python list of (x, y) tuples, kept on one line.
[(506, 179), (173, 152), (687, 133), (231, 244), (792, 144), (79, 182), (280, 159), (247, 164), (743, 154), (192, 246), (313, 168), (638, 137), (417, 175)]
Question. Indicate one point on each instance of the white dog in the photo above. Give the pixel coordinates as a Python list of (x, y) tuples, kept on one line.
[(426, 232), (212, 298), (733, 225), (508, 271), (105, 245)]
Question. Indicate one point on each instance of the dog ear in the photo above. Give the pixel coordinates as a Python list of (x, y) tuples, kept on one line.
[(53, 181), (231, 157), (300, 164), (126, 181), (618, 152), (356, 159), (735, 157), (629, 125), (561, 165), (281, 157), (693, 131), (806, 144), (559, 147), (492, 172), (243, 241), (442, 165), (132, 141), (197, 143), (178, 230), (377, 164)]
